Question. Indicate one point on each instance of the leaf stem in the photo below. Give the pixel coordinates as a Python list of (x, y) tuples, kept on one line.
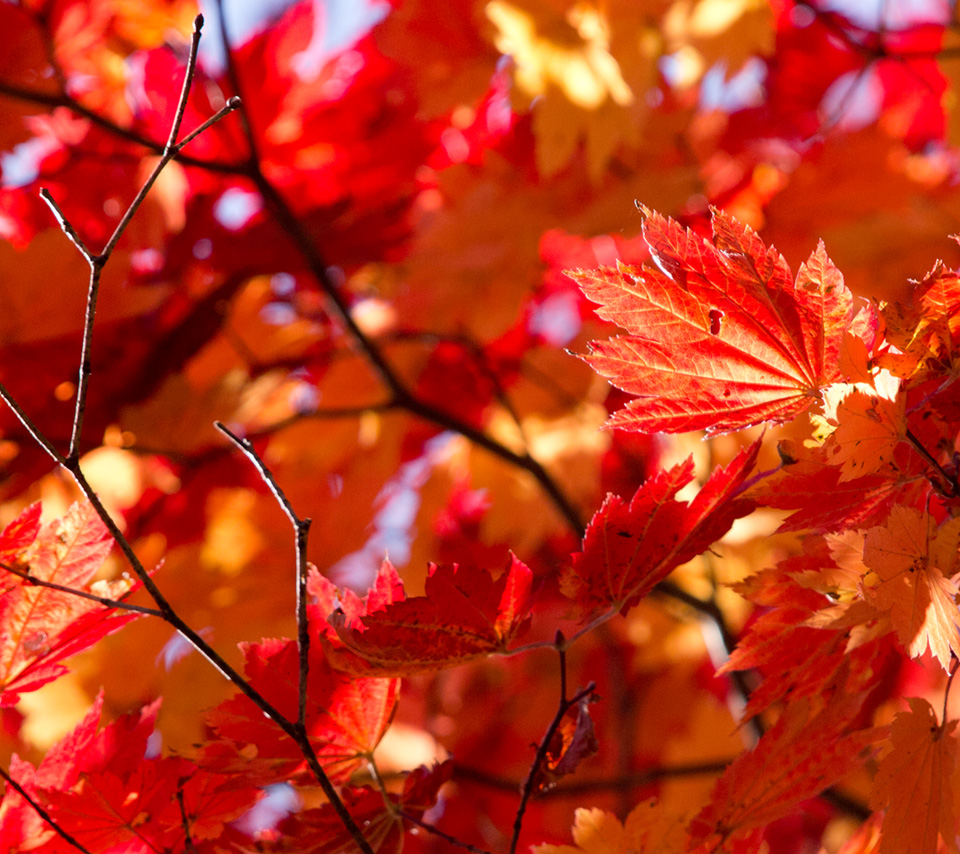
[(954, 664)]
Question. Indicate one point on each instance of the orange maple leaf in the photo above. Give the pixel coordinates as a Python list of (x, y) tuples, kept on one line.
[(925, 332), (915, 781), (913, 562), (865, 423), (803, 754), (721, 337)]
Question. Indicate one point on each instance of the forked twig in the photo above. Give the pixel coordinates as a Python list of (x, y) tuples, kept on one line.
[(563, 707), (97, 261), (71, 462), (301, 528)]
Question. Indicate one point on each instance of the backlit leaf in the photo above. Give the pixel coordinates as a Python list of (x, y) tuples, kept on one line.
[(39, 627), (464, 614), (720, 336), (630, 547), (915, 783), (913, 562)]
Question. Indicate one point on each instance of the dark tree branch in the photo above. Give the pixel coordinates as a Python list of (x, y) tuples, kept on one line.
[(949, 485), (67, 102), (185, 820), (71, 463), (401, 396)]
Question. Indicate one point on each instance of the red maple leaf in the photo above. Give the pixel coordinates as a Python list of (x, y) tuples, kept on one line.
[(346, 718), (629, 548), (39, 626), (804, 753), (321, 831), (721, 337), (101, 788), (465, 614)]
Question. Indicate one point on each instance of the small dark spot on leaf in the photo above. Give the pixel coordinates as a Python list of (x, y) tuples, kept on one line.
[(726, 392), (786, 458), (715, 317), (623, 533)]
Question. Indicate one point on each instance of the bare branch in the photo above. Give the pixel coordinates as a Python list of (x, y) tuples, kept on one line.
[(30, 427), (301, 529), (98, 262), (64, 224), (526, 790), (187, 84), (294, 730)]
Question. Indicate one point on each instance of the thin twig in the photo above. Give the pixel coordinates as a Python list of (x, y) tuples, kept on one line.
[(42, 812), (562, 708), (187, 84), (301, 529), (185, 820), (71, 463), (98, 262), (65, 225), (559, 642), (291, 728), (954, 663), (119, 604), (437, 832), (951, 486), (30, 427), (526, 790), (620, 783)]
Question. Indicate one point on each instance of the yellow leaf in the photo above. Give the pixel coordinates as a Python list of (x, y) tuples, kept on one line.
[(647, 830), (566, 71)]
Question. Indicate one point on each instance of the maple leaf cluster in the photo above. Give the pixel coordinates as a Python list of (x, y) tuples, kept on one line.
[(376, 475)]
